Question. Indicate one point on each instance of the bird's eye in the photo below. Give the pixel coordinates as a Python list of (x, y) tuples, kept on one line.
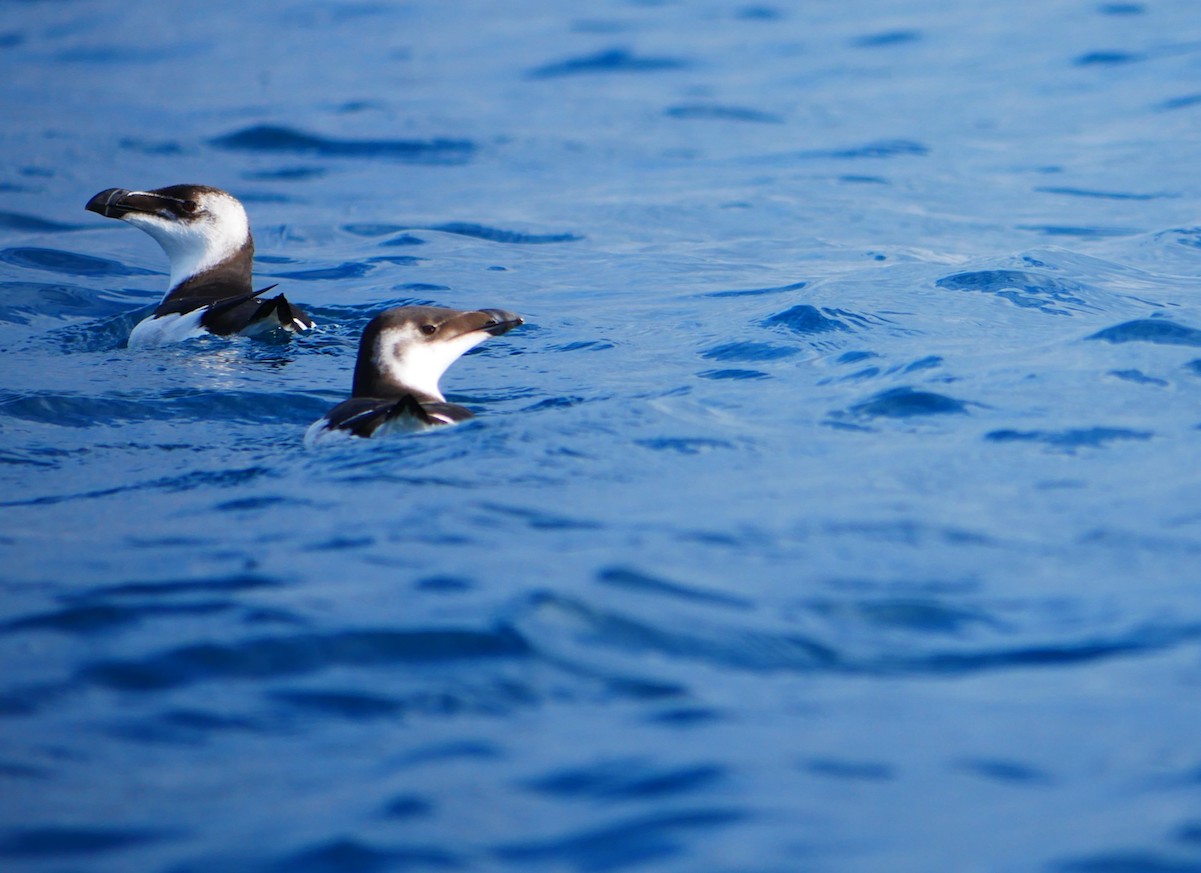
[(428, 329), (190, 206)]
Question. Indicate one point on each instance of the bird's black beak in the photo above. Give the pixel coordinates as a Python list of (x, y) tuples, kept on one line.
[(499, 321), (110, 203)]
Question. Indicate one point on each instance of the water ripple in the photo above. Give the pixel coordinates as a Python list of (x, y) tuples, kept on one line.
[(84, 410), (20, 302), (68, 263), (618, 846), (67, 841), (626, 779), (1023, 288), (891, 148), (1157, 331), (1075, 438), (615, 60), (748, 351), (716, 112), (299, 654), (756, 292), (807, 320), (268, 138), (33, 223), (909, 402), (494, 234)]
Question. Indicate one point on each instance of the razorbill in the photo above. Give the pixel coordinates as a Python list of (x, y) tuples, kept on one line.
[(402, 355), (206, 236)]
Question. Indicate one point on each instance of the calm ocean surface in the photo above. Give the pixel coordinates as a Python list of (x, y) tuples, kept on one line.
[(837, 508)]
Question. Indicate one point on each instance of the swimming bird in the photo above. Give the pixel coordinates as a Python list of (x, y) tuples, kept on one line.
[(402, 355), (206, 236)]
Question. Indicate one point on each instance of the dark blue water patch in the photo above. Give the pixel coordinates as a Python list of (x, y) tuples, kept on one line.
[(73, 842), (442, 752), (13, 770), (1121, 8), (857, 376), (620, 846), (443, 584), (891, 148), (539, 519), (726, 646), (626, 779), (855, 357), (300, 654), (684, 445), (1081, 231), (21, 302), (557, 403), (11, 39), (187, 726), (1157, 331), (404, 807), (180, 587), (168, 484), (583, 346), (422, 287), (351, 855), (286, 174), (756, 292), (69, 263), (1186, 102), (926, 617), (685, 716), (1130, 862), (759, 13), (850, 771), (749, 351), (1074, 438), (161, 147), (1182, 236), (733, 374), (85, 410), (929, 362), (103, 55), (404, 239), (1138, 377), (34, 224), (397, 260), (887, 38), (1028, 290), (807, 320), (374, 229), (909, 403), (717, 112), (634, 580), (346, 270), (1100, 195), (616, 60), (853, 179), (1108, 59), (257, 503), (287, 140), (99, 618), (352, 705), (495, 234), (1010, 772)]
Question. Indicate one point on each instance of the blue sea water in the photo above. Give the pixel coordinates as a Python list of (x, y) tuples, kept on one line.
[(837, 508)]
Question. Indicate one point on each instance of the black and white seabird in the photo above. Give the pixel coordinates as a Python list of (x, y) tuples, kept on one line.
[(402, 355), (206, 236)]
